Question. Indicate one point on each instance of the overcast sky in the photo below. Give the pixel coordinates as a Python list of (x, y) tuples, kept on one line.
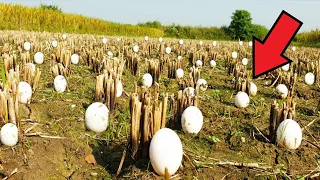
[(188, 12)]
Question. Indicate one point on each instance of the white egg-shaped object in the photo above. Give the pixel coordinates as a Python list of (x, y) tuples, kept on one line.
[(309, 78), (214, 43), (135, 48), (147, 80), (189, 90), (118, 39), (75, 59), (27, 46), (179, 58), (24, 92), (202, 83), (242, 100), (199, 63), (64, 36), (286, 67), (38, 58), (293, 48), (110, 54), (253, 89), (282, 90), (191, 120), (146, 38), (168, 50), (33, 67), (213, 63), (181, 41), (244, 61), (54, 43), (96, 117), (250, 43), (60, 83), (9, 134), (200, 43), (179, 73), (165, 151), (241, 43), (234, 55), (104, 40), (160, 39), (119, 89), (289, 134)]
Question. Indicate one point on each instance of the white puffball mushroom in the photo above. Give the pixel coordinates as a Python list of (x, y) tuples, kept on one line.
[(253, 89), (54, 43), (104, 40), (191, 120), (234, 55), (179, 73), (75, 59), (242, 100), (202, 83), (293, 48), (179, 58), (244, 61), (119, 89), (309, 78), (286, 67), (160, 39), (214, 43), (282, 90), (135, 48), (213, 63), (110, 54), (9, 134), (181, 41), (241, 43), (199, 63), (96, 117), (24, 92), (165, 151), (64, 36), (250, 43), (146, 38), (289, 134), (168, 50), (38, 58), (200, 43), (189, 90), (27, 46), (147, 80), (60, 83)]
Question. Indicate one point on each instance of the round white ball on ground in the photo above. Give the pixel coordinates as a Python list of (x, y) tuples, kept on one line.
[(118, 39), (189, 90), (54, 43), (60, 83), (285, 67), (282, 90), (104, 40), (64, 36), (213, 63), (168, 50), (24, 92), (110, 54), (202, 83), (135, 48), (38, 58), (119, 89), (199, 63), (289, 134), (146, 38), (250, 43), (234, 55), (75, 59), (200, 43), (293, 48), (241, 43), (147, 80), (244, 61), (160, 39), (9, 134), (165, 151), (191, 120), (214, 43), (253, 89), (181, 41), (242, 100), (27, 46), (309, 78), (179, 73), (96, 117), (179, 58)]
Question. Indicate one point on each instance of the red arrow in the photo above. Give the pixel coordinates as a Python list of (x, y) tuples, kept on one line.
[(268, 55)]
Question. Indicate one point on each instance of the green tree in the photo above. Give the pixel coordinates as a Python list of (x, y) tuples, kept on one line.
[(240, 26), (50, 7), (259, 31)]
